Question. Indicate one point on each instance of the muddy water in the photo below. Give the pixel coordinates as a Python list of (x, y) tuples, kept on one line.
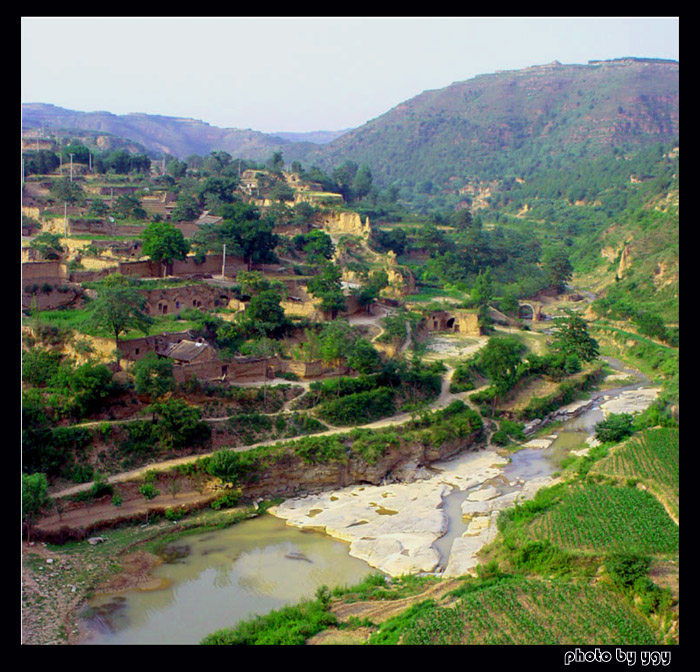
[(214, 580)]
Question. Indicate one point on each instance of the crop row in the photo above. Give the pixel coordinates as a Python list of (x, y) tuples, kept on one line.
[(605, 517), (523, 611)]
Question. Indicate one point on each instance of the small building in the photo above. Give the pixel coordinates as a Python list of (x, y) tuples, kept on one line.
[(458, 320)]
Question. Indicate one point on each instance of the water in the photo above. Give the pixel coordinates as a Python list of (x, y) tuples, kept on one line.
[(216, 579), (530, 463)]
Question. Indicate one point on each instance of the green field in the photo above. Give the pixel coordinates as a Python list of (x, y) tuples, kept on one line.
[(524, 611), (605, 518), (653, 459)]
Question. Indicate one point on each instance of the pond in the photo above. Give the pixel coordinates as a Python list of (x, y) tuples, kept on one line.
[(213, 580)]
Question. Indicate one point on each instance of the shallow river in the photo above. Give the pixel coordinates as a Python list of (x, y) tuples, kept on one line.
[(216, 579)]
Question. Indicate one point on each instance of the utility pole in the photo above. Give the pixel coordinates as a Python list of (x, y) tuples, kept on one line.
[(65, 219), (223, 264), (71, 167)]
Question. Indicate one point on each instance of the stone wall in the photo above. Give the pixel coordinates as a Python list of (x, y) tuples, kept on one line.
[(169, 300), (43, 271)]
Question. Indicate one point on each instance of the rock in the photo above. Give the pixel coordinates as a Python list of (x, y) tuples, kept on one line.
[(484, 494), (538, 443), (630, 401)]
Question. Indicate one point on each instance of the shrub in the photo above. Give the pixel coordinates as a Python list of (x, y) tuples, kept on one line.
[(614, 428)]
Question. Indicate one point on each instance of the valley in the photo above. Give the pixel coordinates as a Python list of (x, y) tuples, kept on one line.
[(459, 374)]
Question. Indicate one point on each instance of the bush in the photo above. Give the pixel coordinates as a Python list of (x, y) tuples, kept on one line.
[(359, 408), (614, 428)]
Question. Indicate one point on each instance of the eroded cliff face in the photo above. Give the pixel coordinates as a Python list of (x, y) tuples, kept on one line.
[(345, 223), (291, 476)]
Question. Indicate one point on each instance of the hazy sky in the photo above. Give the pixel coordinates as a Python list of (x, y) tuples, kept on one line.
[(299, 73)]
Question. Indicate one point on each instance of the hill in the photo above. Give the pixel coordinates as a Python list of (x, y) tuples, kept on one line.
[(160, 135), (512, 122)]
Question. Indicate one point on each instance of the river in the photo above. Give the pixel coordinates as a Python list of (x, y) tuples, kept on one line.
[(216, 579)]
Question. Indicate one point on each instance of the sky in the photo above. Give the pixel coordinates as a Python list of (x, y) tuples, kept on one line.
[(300, 74)]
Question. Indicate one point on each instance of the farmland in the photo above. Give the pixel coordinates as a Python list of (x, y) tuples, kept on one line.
[(602, 517), (524, 611), (653, 459)]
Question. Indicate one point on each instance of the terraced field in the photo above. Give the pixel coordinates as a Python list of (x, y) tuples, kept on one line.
[(653, 459), (524, 611), (605, 518)]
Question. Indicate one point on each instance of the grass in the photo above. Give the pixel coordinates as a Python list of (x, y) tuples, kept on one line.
[(78, 320)]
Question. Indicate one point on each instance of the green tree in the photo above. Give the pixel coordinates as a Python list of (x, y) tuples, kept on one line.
[(48, 245), (363, 357), (571, 337), (65, 191), (328, 287), (337, 341), (128, 206), (316, 243), (153, 376), (119, 306), (163, 243), (34, 497), (368, 294), (264, 313), (186, 209), (362, 182), (500, 359), (558, 269), (244, 233)]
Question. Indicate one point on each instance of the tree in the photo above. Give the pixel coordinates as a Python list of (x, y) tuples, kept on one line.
[(482, 295), (176, 168), (558, 269), (362, 182), (119, 306), (327, 286), (369, 293), (500, 359), (337, 340), (148, 492), (163, 243), (572, 337), (264, 313), (316, 243), (363, 356), (244, 233), (65, 191), (153, 376), (34, 497), (186, 209), (128, 206), (48, 245)]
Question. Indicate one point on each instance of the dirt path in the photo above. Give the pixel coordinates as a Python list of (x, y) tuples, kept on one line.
[(376, 611)]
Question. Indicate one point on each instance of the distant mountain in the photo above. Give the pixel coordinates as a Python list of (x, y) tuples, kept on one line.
[(317, 137), (509, 122), (490, 127), (170, 135)]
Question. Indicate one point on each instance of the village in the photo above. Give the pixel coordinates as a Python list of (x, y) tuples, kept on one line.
[(93, 249)]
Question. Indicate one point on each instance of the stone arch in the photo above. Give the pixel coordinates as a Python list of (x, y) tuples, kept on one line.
[(526, 311), (450, 324)]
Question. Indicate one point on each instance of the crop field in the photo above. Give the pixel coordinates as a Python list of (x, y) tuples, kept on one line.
[(606, 518), (653, 458), (525, 611)]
